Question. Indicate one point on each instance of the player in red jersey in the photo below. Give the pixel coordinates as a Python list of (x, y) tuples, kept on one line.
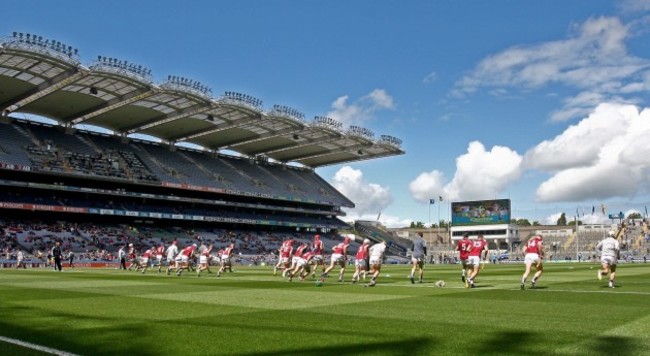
[(160, 251), (225, 259), (186, 255), (477, 254), (318, 260), (361, 261), (463, 247), (131, 256), (284, 254), (297, 255), (143, 261), (204, 260), (339, 257), (533, 251), (302, 267)]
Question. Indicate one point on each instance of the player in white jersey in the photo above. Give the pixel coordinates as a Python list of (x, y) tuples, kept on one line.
[(609, 254), (376, 258), (172, 252)]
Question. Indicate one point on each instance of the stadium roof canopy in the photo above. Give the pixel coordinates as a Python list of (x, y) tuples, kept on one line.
[(45, 77)]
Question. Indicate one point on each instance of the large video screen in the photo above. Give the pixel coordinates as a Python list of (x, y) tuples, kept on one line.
[(480, 212)]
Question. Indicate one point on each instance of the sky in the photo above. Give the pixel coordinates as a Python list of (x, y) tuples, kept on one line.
[(544, 103)]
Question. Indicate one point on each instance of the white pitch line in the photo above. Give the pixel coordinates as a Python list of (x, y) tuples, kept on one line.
[(29, 345)]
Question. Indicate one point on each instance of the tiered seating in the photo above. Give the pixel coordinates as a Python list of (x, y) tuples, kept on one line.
[(11, 143)]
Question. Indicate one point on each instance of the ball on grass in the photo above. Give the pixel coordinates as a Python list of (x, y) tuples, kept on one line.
[(388, 276), (440, 284), (319, 283)]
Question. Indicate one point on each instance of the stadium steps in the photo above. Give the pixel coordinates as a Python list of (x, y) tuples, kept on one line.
[(218, 179), (89, 143), (28, 134), (569, 242)]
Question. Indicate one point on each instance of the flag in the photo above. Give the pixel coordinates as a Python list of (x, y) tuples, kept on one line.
[(432, 201), (593, 210), (577, 214), (378, 216), (602, 207), (440, 197), (646, 210)]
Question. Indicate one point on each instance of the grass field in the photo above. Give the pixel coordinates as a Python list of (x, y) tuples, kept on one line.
[(251, 312)]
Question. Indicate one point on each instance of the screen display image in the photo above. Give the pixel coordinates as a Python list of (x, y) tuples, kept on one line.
[(480, 212)]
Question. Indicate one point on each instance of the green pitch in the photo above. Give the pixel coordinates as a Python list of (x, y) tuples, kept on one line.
[(251, 312)]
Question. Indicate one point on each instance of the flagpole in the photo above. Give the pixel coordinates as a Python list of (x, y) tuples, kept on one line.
[(577, 239)]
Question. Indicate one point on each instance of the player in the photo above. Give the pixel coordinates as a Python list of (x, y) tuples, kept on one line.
[(418, 256), (477, 254), (284, 253), (225, 259), (318, 260), (20, 260), (204, 259), (143, 262), (609, 254), (172, 253), (339, 256), (131, 256), (302, 267), (121, 254), (463, 247), (297, 255), (185, 256), (160, 251), (376, 259), (533, 256), (361, 261)]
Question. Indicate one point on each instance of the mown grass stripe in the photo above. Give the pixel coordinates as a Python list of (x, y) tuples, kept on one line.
[(40, 348)]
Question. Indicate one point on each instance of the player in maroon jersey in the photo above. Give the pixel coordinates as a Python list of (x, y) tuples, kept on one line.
[(160, 251), (463, 247), (143, 262), (533, 251), (297, 255), (132, 256), (302, 267), (477, 254), (225, 259), (284, 255), (185, 256), (339, 257), (361, 261), (317, 248)]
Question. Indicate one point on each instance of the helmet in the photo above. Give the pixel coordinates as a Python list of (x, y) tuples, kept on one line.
[(611, 233), (130, 245), (194, 245), (366, 241)]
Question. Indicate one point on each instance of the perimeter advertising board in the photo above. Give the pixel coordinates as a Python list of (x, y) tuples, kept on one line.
[(480, 212)]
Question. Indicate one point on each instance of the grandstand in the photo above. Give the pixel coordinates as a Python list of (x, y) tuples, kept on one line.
[(166, 154)]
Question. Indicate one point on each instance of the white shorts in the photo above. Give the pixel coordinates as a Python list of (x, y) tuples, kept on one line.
[(203, 259), (144, 260), (301, 262), (170, 260), (532, 258), (473, 260), (375, 261), (225, 260), (294, 260), (284, 259), (184, 259), (317, 259), (337, 257), (417, 260), (159, 258), (608, 260), (360, 263)]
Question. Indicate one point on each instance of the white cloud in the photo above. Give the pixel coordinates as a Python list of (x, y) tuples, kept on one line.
[(369, 198), (552, 219), (480, 174), (363, 109), (629, 6), (430, 78), (593, 59), (603, 156), (427, 185)]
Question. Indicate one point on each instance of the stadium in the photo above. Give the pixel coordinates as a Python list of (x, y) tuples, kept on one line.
[(132, 161)]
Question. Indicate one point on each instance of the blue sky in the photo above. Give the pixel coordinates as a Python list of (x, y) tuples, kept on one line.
[(539, 102)]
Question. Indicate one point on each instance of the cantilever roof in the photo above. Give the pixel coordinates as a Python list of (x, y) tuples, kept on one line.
[(43, 77)]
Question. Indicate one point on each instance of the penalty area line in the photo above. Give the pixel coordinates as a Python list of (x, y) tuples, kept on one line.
[(29, 345)]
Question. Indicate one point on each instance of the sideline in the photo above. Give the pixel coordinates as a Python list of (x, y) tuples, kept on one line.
[(29, 345)]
